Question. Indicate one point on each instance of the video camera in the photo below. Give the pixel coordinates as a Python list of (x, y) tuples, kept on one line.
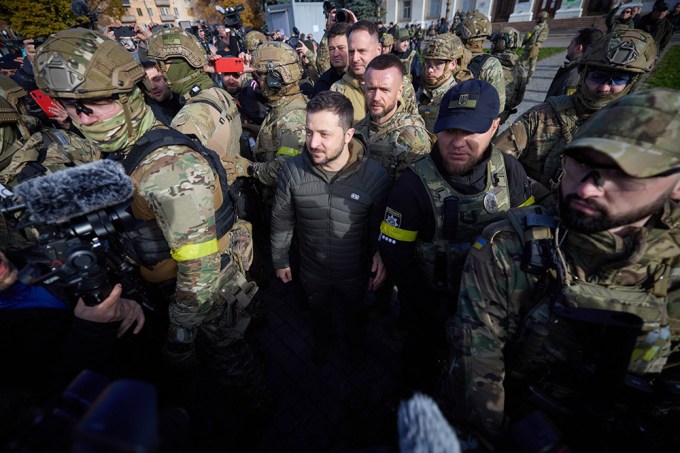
[(341, 14), (232, 16), (78, 220)]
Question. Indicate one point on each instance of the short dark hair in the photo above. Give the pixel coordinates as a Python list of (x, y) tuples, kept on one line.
[(587, 36), (366, 26), (148, 64), (339, 29), (334, 102), (386, 61)]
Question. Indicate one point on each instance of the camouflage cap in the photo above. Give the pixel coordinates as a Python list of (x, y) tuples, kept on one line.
[(444, 47), (402, 35), (640, 132)]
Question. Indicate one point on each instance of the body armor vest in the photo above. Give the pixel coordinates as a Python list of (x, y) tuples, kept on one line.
[(442, 259), (568, 119), (268, 145), (148, 243), (429, 100)]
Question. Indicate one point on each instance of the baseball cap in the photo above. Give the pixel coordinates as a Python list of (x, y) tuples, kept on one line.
[(640, 132), (471, 106), (402, 34)]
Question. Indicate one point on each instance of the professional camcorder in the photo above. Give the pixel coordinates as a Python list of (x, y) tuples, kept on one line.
[(341, 14), (78, 214)]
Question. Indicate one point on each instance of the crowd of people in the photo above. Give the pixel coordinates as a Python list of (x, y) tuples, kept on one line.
[(365, 167)]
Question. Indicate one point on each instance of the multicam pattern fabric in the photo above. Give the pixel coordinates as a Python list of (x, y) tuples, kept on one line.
[(532, 45), (182, 203), (398, 142), (282, 135), (212, 116), (491, 71), (353, 89), (496, 295), (62, 149), (515, 81), (429, 100), (540, 132), (641, 132), (323, 57)]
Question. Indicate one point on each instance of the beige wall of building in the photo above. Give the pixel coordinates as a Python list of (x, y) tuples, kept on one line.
[(142, 12)]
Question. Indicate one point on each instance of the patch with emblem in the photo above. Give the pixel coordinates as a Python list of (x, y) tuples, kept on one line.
[(491, 203), (466, 101), (479, 243), (392, 217)]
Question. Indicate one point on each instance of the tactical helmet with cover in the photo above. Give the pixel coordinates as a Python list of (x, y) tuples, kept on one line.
[(387, 40), (506, 38), (631, 51), (543, 16), (279, 66), (171, 43), (255, 39), (446, 47), (80, 63), (475, 27), (640, 132)]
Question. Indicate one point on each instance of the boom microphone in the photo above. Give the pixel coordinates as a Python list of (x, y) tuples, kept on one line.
[(74, 192)]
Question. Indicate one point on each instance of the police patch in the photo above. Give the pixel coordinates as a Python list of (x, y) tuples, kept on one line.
[(392, 217)]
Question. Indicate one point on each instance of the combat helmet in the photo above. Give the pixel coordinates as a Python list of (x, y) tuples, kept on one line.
[(506, 38), (446, 47), (169, 43), (542, 16), (631, 51), (476, 26), (386, 40), (255, 39), (279, 65), (80, 63)]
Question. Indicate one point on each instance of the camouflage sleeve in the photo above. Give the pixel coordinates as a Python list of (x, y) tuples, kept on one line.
[(492, 72), (408, 97), (178, 186), (289, 140), (415, 142), (195, 119), (487, 316), (542, 35), (521, 141)]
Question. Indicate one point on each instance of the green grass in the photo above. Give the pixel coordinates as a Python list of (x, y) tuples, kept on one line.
[(666, 73), (545, 52)]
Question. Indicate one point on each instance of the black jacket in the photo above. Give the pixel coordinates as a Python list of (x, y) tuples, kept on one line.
[(336, 219)]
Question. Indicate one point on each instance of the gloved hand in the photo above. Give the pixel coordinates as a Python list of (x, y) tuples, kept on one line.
[(179, 349), (181, 355), (235, 167)]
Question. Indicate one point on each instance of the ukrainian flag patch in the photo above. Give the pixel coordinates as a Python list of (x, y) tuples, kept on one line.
[(479, 243)]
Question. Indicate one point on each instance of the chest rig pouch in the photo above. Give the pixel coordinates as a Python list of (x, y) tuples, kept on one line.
[(459, 219)]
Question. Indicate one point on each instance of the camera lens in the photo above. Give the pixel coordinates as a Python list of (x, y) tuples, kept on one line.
[(341, 16)]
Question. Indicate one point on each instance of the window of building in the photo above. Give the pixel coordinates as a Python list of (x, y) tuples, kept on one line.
[(165, 12), (139, 12), (406, 10), (435, 9), (150, 12), (176, 12)]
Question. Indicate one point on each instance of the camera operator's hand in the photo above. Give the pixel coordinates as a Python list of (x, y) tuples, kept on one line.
[(29, 48), (113, 309), (141, 33), (302, 52)]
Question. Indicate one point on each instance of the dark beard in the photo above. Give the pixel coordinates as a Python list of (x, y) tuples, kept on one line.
[(603, 221)]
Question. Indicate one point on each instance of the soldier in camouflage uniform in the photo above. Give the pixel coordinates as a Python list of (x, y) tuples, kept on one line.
[(413, 68), (364, 45), (503, 45), (35, 149), (188, 248), (473, 31), (386, 41), (610, 68), (209, 113), (445, 64), (394, 138), (282, 135), (613, 245), (438, 206), (533, 42), (255, 39)]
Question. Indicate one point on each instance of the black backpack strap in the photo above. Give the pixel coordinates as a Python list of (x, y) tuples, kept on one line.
[(157, 138), (475, 65)]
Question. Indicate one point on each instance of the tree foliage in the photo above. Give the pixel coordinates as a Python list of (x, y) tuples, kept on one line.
[(364, 9), (252, 15), (43, 17)]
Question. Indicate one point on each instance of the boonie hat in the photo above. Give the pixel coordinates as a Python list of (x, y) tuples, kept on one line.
[(471, 106), (640, 132)]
